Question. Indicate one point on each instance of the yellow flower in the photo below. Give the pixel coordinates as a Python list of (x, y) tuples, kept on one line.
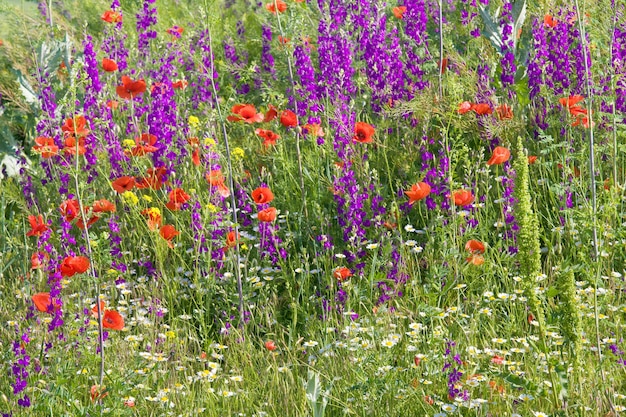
[(130, 198), (239, 153), (154, 211), (147, 198), (209, 142), (128, 143), (170, 334), (212, 208), (194, 121)]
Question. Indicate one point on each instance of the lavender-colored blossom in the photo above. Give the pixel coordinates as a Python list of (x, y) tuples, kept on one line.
[(415, 19), (146, 19), (508, 46), (267, 59)]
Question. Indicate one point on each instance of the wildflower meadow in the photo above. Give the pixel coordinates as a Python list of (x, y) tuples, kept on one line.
[(313, 208)]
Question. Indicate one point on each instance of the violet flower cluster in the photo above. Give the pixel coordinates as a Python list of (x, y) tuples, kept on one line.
[(113, 43), (380, 50), (453, 362), (415, 19), (619, 67), (146, 19), (508, 48)]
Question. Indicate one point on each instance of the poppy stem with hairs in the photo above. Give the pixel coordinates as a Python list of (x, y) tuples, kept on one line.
[(592, 184), (297, 130), (230, 174), (92, 272)]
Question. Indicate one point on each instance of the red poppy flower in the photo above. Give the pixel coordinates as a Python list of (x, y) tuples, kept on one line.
[(476, 259), (532, 159), (109, 65), (195, 156), (38, 259), (270, 114), (288, 119), (548, 20), (97, 393), (279, 5), (231, 240), (267, 215), (94, 309), (180, 84), (44, 303), (154, 219), (112, 16), (342, 273), (363, 132), (103, 206), (584, 120), (112, 320), (571, 101), (168, 232), (577, 111), (482, 109), (112, 104), (475, 246), (463, 198), (155, 179), (499, 156), (81, 224), (37, 225), (72, 146), (270, 345), (216, 179), (269, 137), (129, 88), (399, 11), (45, 146), (246, 113), (143, 145), (177, 197), (123, 184), (262, 195), (417, 192), (314, 129), (70, 209), (464, 107), (504, 112), (72, 265), (75, 126)]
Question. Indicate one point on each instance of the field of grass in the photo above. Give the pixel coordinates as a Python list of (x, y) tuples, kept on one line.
[(313, 208)]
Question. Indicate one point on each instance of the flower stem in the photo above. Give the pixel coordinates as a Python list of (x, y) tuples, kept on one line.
[(230, 175)]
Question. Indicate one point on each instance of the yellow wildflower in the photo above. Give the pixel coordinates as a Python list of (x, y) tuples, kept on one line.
[(131, 198), (194, 121), (238, 153)]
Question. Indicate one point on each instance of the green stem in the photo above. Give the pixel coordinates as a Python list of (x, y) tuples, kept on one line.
[(231, 184), (298, 129)]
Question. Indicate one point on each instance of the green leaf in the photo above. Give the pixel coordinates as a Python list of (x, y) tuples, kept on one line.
[(519, 15), (552, 292), (27, 90), (491, 30)]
